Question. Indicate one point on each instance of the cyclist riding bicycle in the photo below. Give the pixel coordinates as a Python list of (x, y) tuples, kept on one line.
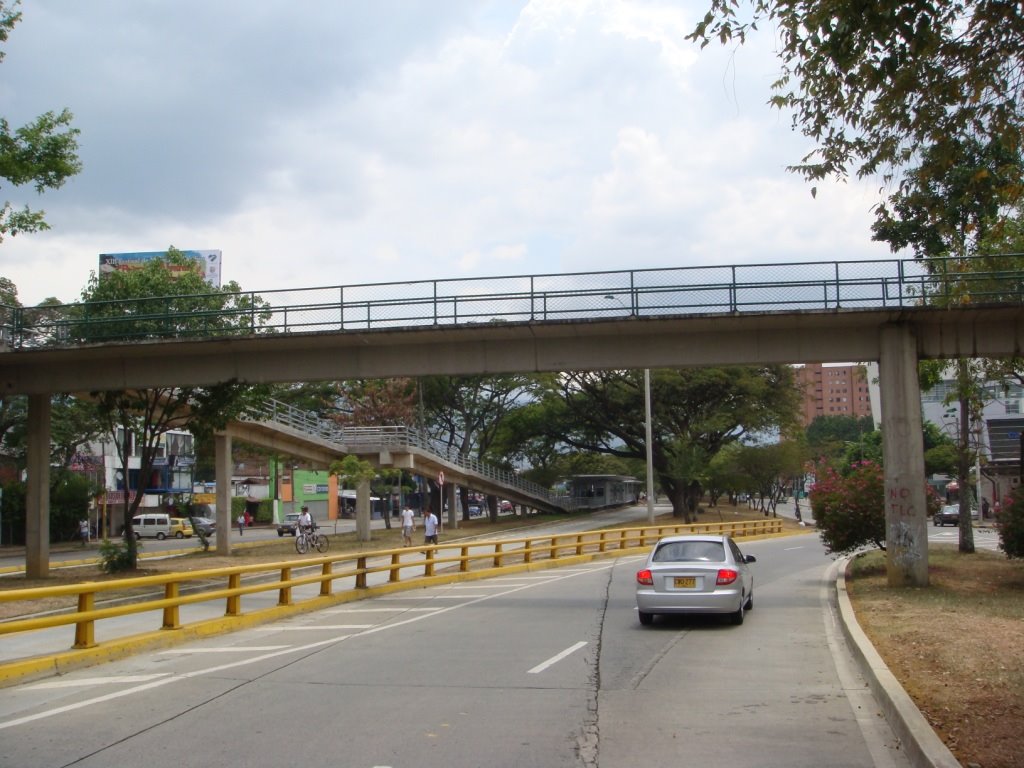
[(305, 521)]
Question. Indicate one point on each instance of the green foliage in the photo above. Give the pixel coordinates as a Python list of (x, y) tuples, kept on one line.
[(871, 83), (69, 503), (696, 412), (352, 469), (42, 153), (70, 493), (118, 556), (827, 436), (163, 298), (950, 199), (13, 505), (1011, 525)]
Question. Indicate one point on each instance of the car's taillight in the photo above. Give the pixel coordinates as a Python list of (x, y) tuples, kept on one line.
[(727, 576), (645, 577)]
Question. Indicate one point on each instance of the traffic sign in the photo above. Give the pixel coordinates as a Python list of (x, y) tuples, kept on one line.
[(440, 478)]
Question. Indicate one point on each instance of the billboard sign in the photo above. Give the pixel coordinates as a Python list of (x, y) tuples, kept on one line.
[(208, 262)]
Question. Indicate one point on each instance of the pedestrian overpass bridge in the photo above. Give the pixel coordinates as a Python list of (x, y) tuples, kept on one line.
[(895, 311), (290, 430)]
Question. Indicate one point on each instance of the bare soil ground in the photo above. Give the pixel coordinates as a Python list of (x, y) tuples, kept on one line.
[(957, 647)]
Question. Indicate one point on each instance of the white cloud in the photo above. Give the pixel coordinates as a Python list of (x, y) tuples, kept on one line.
[(324, 144)]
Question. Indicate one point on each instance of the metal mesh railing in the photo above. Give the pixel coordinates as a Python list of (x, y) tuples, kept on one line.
[(581, 297)]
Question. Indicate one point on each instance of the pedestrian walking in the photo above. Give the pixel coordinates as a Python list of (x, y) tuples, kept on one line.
[(429, 527), (241, 525), (83, 531), (408, 525)]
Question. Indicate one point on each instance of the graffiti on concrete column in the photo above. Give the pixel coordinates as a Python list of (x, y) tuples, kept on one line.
[(900, 503), (901, 542)]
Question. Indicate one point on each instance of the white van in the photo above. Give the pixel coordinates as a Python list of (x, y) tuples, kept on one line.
[(152, 525)]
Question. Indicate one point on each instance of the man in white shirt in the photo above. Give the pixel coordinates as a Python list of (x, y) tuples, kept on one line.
[(305, 521), (408, 524), (430, 527)]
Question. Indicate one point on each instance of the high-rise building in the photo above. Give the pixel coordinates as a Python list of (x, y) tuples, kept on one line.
[(833, 390)]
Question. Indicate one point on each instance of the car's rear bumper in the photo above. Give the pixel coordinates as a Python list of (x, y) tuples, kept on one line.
[(723, 601)]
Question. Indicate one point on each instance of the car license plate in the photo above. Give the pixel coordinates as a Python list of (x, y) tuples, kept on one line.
[(685, 582)]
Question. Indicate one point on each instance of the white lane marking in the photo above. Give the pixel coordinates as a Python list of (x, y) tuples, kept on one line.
[(272, 654), (376, 610), (432, 597), (482, 586), (790, 549), (312, 627), (556, 658), (224, 649), (94, 681), (161, 682)]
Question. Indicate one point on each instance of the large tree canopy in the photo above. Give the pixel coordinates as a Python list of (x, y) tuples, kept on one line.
[(695, 413), (874, 83), (42, 153), (175, 289)]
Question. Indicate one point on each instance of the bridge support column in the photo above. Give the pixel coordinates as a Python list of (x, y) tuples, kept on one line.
[(363, 510), (906, 513), (37, 492), (222, 466)]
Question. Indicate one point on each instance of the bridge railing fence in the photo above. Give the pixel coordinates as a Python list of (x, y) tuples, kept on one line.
[(682, 291)]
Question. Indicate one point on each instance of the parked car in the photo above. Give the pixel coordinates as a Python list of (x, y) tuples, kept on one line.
[(506, 506), (695, 574), (289, 525), (948, 515), (152, 525), (206, 525), (181, 528)]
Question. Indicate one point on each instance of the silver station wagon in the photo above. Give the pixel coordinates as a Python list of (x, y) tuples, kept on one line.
[(695, 574)]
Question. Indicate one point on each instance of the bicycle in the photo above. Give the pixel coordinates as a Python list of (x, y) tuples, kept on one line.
[(308, 539)]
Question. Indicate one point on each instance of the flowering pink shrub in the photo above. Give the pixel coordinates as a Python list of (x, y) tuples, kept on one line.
[(1011, 524), (849, 509)]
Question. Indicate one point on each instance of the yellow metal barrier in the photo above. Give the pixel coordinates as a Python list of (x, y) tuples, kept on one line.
[(422, 561)]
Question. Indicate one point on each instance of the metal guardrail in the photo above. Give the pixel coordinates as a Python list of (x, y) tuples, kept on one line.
[(361, 439), (281, 577), (580, 296)]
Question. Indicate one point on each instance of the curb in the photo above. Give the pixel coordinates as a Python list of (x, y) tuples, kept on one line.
[(922, 746)]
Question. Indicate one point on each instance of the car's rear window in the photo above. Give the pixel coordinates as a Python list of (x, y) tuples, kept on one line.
[(690, 551)]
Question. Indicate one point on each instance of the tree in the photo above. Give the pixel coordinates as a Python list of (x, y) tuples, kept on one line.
[(378, 402), (163, 287), (769, 470), (695, 414), (466, 413), (873, 83), (827, 436), (42, 153), (352, 469), (850, 509)]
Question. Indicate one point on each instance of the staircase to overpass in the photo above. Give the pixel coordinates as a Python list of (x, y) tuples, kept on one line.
[(287, 429)]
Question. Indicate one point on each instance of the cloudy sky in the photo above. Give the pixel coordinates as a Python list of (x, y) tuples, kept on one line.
[(331, 143)]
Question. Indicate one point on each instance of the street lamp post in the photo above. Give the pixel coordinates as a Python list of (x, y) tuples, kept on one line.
[(650, 447), (648, 438)]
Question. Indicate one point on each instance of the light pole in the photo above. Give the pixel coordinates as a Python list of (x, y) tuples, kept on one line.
[(648, 436), (650, 447)]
